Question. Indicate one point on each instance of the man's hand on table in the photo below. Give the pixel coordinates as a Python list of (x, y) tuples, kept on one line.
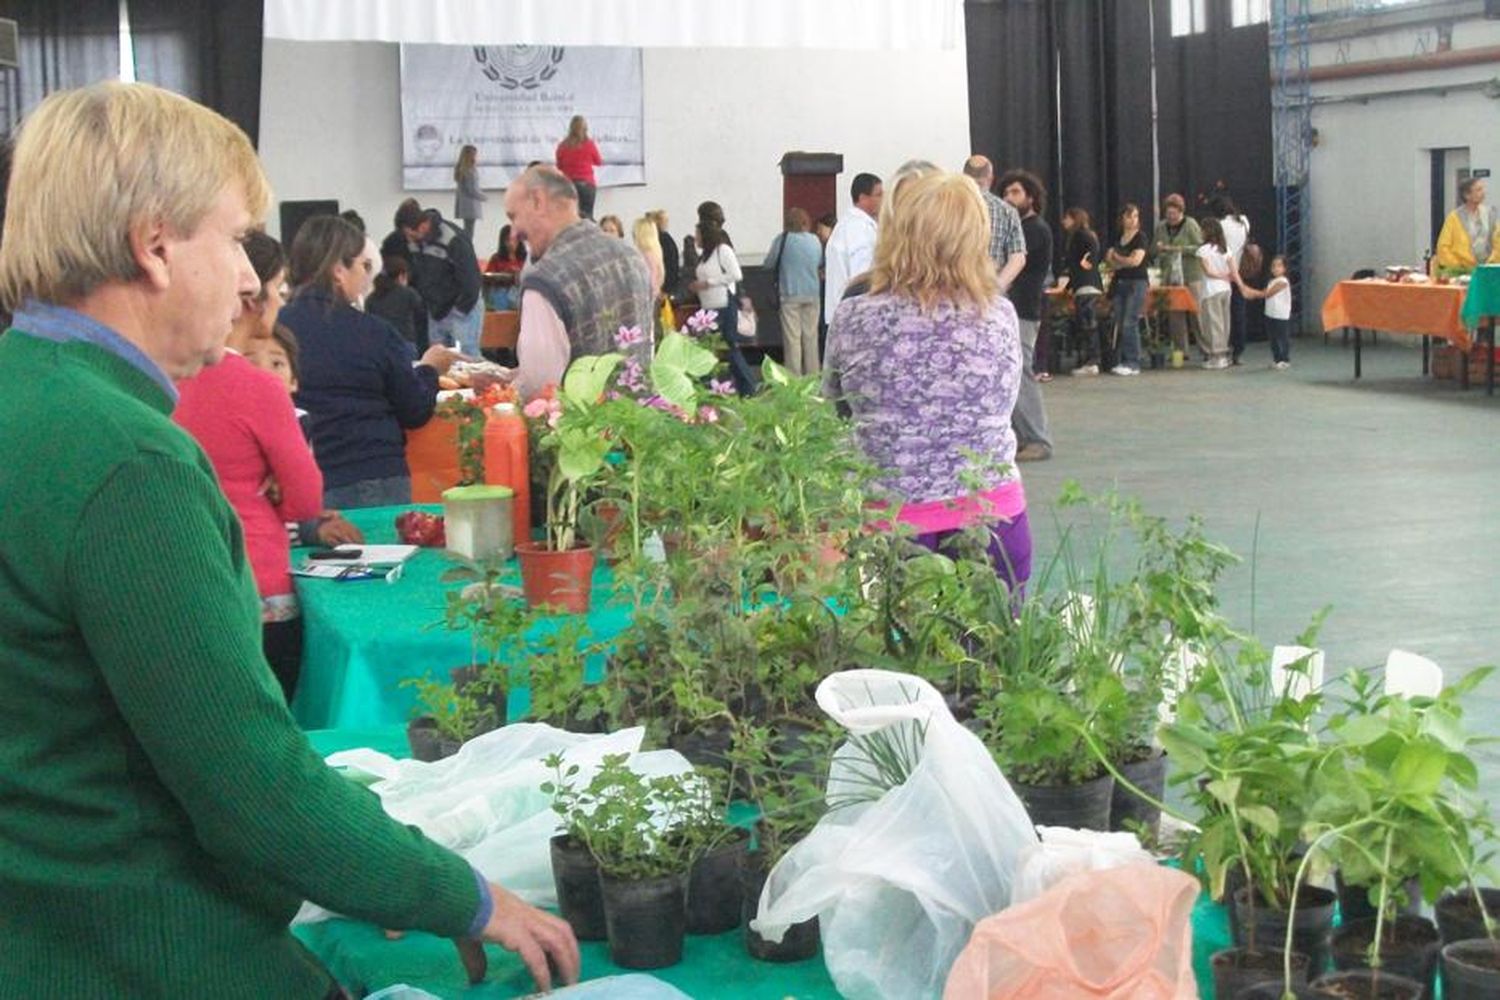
[(335, 529), (544, 942)]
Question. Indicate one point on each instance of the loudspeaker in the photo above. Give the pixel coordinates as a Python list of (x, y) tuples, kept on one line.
[(294, 213)]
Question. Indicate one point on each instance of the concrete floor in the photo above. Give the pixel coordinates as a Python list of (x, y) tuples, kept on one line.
[(1377, 497)]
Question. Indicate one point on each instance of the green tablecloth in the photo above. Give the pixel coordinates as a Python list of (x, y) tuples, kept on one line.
[(364, 637), (712, 967), (1483, 297)]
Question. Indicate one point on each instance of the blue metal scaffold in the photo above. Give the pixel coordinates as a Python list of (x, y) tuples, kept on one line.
[(1291, 128)]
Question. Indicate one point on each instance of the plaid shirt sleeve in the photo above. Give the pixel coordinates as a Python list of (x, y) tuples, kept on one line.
[(1006, 237)]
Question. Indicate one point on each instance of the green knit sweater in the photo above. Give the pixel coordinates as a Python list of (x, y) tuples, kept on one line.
[(161, 815)]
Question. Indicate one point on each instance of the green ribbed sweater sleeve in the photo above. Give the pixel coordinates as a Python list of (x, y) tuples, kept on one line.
[(169, 614)]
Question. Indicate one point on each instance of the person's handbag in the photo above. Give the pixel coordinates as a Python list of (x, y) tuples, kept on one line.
[(773, 300)]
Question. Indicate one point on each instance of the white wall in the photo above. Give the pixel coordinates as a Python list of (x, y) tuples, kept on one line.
[(1370, 173), (716, 123)]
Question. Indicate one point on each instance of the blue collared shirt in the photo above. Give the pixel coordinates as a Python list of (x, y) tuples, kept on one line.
[(63, 325)]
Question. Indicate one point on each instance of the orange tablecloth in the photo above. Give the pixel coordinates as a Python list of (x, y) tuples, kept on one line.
[(1179, 299), (1430, 310)]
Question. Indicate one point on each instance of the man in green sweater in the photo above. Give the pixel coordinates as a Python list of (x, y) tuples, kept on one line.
[(161, 815)]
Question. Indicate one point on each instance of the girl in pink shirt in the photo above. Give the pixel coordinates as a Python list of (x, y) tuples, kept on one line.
[(244, 420)]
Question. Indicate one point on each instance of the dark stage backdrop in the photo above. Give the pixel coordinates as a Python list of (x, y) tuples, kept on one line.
[(1063, 88), (209, 50)]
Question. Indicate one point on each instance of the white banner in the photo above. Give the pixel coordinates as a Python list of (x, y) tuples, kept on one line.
[(773, 24), (514, 102)]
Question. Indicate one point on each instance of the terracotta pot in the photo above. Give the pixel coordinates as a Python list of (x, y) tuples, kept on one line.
[(559, 580)]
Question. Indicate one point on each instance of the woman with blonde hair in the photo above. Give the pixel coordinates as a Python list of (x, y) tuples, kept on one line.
[(468, 201), (928, 363), (577, 156), (648, 242)]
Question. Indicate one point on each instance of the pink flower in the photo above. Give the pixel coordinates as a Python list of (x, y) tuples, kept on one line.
[(628, 337), (708, 415), (632, 376), (553, 417), (721, 387), (703, 321), (537, 408)]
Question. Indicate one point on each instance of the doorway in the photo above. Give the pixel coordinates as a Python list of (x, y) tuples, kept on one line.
[(1449, 168)]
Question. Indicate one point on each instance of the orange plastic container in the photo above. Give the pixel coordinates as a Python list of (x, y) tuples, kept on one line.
[(506, 463)]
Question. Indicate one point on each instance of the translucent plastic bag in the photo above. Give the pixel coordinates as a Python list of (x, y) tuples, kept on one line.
[(1064, 852), (1118, 934), (486, 802), (899, 882)]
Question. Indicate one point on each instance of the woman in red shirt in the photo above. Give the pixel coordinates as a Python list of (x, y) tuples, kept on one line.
[(244, 420), (577, 156)]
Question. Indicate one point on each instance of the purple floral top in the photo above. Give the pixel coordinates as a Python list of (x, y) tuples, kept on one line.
[(925, 389)]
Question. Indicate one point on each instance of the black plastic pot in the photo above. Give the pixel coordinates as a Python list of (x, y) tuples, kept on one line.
[(426, 743), (1471, 970), (1367, 984), (1354, 900), (716, 889), (706, 747), (1410, 947), (1273, 991), (1312, 923), (1237, 969), (800, 942), (575, 873), (1458, 916), (1083, 807), (1150, 776), (790, 745), (493, 699), (646, 920)]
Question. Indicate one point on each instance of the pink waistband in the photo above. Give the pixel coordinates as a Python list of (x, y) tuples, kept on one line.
[(1006, 501)]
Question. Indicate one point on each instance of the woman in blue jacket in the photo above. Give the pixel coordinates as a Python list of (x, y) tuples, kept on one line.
[(356, 379)]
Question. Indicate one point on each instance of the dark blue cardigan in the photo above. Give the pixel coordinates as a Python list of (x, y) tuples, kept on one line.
[(356, 381)]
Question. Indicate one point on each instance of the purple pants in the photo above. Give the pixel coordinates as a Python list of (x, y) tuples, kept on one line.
[(1009, 548)]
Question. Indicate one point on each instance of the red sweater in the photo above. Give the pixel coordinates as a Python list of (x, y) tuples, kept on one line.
[(244, 420), (578, 162)]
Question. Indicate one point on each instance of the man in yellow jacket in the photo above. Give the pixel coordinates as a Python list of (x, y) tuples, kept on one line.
[(1469, 233)]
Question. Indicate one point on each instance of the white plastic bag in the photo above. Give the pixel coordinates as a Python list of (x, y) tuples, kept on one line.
[(898, 883), (1064, 851), (486, 802)]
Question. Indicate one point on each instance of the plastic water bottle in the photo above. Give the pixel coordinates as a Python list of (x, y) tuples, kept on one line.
[(506, 463)]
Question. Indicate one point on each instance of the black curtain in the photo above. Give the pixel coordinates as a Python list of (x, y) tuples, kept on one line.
[(209, 50), (63, 45), (1215, 117), (1063, 88), (1011, 105)]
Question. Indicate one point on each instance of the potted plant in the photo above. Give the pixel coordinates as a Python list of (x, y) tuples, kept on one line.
[(789, 793), (496, 624), (1392, 805), (1244, 760), (556, 673), (634, 828), (558, 572), (447, 719)]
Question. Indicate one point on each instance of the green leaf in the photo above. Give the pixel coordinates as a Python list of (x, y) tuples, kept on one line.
[(1418, 770), (1263, 817), (1226, 790), (586, 378), (1364, 729)]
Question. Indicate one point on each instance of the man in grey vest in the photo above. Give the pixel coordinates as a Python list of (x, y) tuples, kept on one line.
[(581, 287)]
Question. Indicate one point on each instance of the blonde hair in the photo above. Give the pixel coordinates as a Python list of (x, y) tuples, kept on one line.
[(467, 161), (93, 163), (934, 245), (578, 131), (909, 171), (647, 240)]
